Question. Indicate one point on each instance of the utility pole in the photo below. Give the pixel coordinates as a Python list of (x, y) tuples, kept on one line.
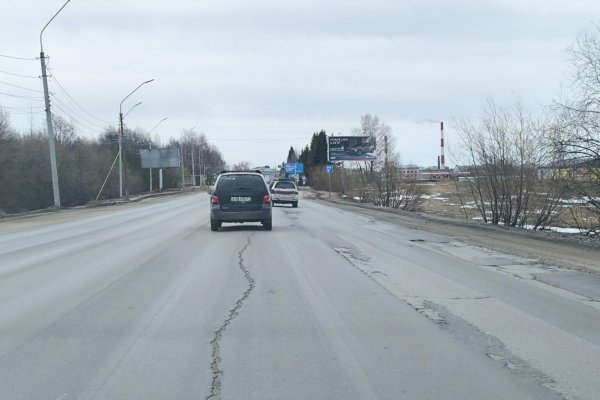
[(201, 165), (182, 168), (150, 148), (343, 179), (51, 141), (193, 168), (121, 154), (387, 174), (121, 141)]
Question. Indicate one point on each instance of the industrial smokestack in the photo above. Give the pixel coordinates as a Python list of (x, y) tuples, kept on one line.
[(442, 160)]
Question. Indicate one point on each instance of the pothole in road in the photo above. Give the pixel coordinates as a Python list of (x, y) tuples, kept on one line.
[(352, 254), (359, 261)]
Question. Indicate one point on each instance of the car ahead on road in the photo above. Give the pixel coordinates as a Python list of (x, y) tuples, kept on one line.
[(358, 150), (240, 196), (284, 191)]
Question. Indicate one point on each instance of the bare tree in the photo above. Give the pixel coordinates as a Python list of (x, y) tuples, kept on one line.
[(64, 131), (504, 152), (576, 137), (242, 166), (378, 131)]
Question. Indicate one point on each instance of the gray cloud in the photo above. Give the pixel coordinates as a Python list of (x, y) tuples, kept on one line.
[(277, 70)]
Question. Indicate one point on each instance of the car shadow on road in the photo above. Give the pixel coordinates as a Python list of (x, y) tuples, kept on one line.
[(244, 227), (254, 228)]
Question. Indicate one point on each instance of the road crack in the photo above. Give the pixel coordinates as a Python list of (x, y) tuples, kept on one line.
[(215, 366), (489, 345)]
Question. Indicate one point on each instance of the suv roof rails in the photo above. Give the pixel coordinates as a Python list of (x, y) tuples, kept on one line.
[(244, 171)]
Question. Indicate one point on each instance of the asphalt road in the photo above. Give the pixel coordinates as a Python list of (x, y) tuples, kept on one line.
[(143, 301)]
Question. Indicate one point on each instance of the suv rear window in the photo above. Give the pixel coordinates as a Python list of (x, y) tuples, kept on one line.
[(244, 182), (285, 185)]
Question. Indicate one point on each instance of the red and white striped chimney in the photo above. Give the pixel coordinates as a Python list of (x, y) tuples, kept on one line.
[(442, 160)]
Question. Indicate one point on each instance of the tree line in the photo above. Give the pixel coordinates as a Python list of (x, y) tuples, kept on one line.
[(83, 164), (378, 182), (523, 169), (530, 170)]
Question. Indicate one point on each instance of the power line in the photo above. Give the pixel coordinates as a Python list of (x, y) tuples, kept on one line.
[(80, 128), (18, 112), (19, 75), (23, 108), (21, 87), (22, 97), (76, 113), (18, 58), (85, 128), (53, 77), (88, 128)]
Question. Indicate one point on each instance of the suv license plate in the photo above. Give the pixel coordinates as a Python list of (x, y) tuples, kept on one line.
[(241, 199)]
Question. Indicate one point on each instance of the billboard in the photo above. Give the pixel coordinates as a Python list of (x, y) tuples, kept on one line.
[(160, 158), (351, 148)]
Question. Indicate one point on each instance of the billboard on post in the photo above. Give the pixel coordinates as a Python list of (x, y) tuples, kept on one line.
[(351, 148), (160, 158)]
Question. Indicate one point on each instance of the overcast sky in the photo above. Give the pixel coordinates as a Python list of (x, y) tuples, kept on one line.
[(260, 76)]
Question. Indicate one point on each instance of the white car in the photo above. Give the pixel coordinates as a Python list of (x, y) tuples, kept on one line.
[(285, 191)]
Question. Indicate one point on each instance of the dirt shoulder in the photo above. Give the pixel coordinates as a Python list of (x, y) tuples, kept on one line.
[(551, 248)]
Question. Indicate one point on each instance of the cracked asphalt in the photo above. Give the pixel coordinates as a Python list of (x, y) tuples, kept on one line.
[(143, 301)]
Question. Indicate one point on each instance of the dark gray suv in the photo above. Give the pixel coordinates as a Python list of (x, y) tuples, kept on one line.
[(240, 197)]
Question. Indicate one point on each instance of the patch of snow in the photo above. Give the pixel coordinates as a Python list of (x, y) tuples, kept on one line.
[(435, 196), (565, 230)]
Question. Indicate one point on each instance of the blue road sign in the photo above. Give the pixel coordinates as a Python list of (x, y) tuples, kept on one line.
[(329, 168), (294, 168)]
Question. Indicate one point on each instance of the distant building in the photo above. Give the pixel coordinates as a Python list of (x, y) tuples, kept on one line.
[(581, 171), (416, 173), (409, 172)]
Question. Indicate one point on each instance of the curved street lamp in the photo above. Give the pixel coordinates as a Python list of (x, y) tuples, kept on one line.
[(131, 109), (156, 126), (121, 142), (150, 148), (51, 144)]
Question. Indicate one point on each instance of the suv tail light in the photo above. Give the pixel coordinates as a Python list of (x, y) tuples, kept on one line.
[(214, 200), (266, 200)]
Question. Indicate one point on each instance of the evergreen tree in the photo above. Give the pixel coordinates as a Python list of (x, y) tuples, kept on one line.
[(292, 157), (304, 156), (318, 149)]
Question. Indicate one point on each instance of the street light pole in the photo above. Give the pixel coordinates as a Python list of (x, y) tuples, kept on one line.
[(51, 142), (121, 142), (182, 164), (150, 145), (131, 109), (121, 118)]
